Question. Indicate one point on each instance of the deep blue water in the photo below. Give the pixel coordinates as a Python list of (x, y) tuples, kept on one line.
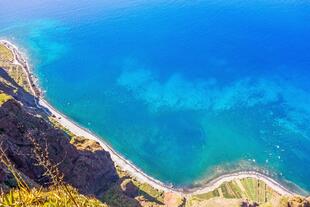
[(184, 89)]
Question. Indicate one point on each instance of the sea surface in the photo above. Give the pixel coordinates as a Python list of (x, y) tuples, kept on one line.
[(185, 90)]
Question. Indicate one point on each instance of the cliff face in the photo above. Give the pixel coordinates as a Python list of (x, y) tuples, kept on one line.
[(84, 164), (92, 172), (86, 168)]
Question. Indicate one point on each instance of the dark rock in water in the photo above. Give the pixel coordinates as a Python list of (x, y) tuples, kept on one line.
[(90, 170)]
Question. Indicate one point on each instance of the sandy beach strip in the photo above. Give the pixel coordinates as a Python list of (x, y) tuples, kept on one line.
[(20, 59)]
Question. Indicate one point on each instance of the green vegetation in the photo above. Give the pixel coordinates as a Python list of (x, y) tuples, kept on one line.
[(48, 197), (5, 54), (146, 189), (258, 191), (57, 125), (116, 198), (14, 71), (140, 191), (246, 189), (207, 196), (17, 74)]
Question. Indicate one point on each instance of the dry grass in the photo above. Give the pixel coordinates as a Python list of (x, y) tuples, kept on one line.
[(48, 197), (59, 194), (5, 54), (15, 71), (4, 98)]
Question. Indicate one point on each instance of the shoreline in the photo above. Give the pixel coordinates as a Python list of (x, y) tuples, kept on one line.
[(126, 165)]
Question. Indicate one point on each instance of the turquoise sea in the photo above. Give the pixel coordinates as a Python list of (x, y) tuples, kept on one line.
[(186, 90)]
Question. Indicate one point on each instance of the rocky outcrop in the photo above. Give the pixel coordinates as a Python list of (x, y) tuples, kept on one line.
[(85, 166), (298, 202), (129, 188)]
